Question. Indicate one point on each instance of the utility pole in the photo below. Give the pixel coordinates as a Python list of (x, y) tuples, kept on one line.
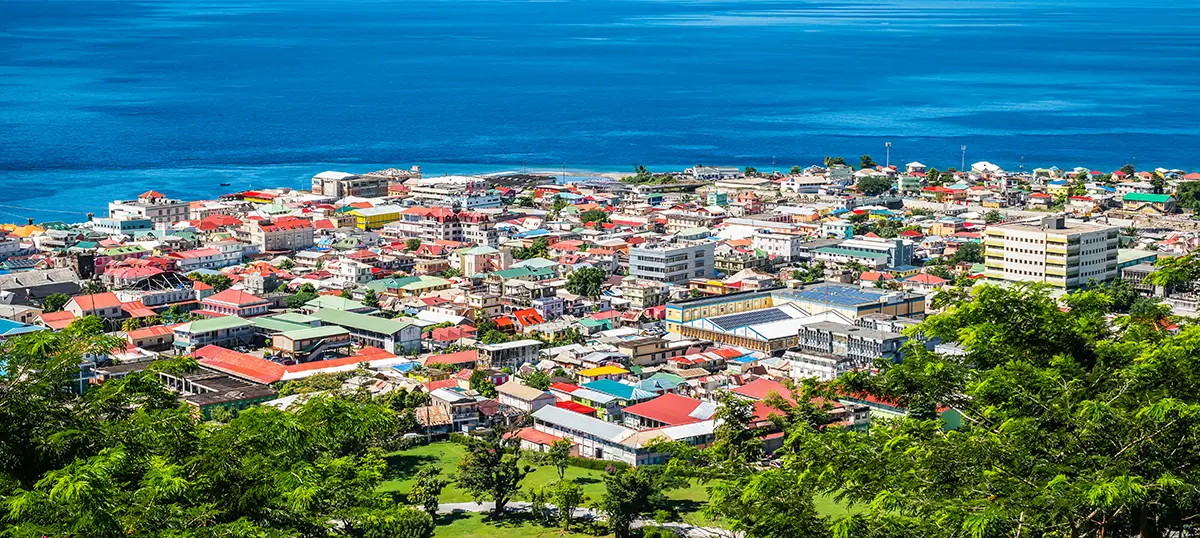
[(887, 161)]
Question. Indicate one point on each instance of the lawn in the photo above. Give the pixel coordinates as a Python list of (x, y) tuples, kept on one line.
[(403, 466), (476, 526)]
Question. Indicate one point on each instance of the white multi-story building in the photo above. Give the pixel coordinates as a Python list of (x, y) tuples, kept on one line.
[(1053, 250), (284, 233), (784, 246), (151, 205), (341, 185), (674, 262)]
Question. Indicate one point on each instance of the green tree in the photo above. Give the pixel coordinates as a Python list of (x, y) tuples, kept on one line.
[(412, 244), (491, 469), (93, 286), (287, 264), (131, 324), (55, 302), (874, 185), (594, 215), (219, 282), (1174, 272), (750, 171), (427, 490), (346, 294), (866, 161), (451, 273), (1129, 170), (933, 178), (993, 217), (481, 382), (398, 522), (830, 161), (538, 380), (632, 493), (588, 281), (567, 496), (370, 299), (559, 204), (559, 455), (795, 171), (969, 252)]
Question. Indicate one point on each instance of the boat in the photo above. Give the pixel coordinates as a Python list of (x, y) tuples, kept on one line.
[(225, 184)]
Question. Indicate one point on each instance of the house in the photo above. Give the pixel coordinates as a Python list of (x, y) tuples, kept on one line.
[(234, 302), (525, 398), (225, 331), (509, 354), (460, 359), (923, 283), (602, 372), (104, 305), (392, 335), (156, 338), (463, 410), (668, 410), (1150, 204)]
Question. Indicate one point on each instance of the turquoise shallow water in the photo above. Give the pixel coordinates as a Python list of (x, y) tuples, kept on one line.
[(103, 99)]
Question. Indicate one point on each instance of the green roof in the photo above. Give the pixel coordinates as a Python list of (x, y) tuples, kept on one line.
[(536, 263), (525, 273), (1126, 255), (334, 301), (851, 252), (1151, 198), (324, 331), (359, 321), (410, 283), (477, 251), (216, 324), (274, 324), (127, 249), (293, 317)]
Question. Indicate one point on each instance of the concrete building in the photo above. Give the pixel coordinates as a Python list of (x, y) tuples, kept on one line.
[(872, 252), (151, 205), (281, 234), (509, 354), (1052, 250), (341, 185), (826, 350), (673, 262), (525, 398), (389, 334), (227, 332), (787, 247)]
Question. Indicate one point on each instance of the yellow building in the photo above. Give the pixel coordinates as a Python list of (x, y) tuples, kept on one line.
[(374, 218)]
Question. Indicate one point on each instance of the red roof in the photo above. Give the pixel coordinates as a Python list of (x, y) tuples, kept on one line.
[(136, 309), (97, 301), (761, 387), (670, 409), (528, 316), (461, 357), (576, 407), (57, 320), (536, 437), (926, 278), (239, 364), (443, 384), (564, 387), (149, 332), (152, 194), (235, 297), (372, 353), (287, 223)]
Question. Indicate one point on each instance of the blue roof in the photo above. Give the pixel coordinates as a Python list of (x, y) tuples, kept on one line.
[(906, 268), (834, 294), (12, 328), (744, 359), (620, 390), (532, 233)]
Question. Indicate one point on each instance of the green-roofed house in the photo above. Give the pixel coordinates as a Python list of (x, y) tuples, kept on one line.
[(408, 286), (339, 303), (226, 331), (530, 274), (394, 336), (112, 255), (1148, 204), (268, 326), (839, 255), (312, 342)]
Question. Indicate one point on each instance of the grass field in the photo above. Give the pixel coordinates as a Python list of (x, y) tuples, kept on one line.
[(403, 466)]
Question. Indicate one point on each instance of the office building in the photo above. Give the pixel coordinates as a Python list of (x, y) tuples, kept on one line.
[(151, 205), (1052, 250), (673, 262)]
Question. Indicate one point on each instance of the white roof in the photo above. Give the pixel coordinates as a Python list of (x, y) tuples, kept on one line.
[(577, 421), (522, 392), (330, 174), (915, 164)]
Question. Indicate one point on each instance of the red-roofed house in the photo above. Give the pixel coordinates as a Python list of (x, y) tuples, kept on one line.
[(527, 318), (923, 283), (233, 302), (469, 357), (105, 305), (667, 410), (156, 338), (56, 320), (239, 364), (760, 388)]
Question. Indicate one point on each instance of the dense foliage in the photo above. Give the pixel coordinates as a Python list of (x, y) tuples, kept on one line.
[(127, 459)]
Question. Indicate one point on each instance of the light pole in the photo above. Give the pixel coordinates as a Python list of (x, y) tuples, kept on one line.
[(964, 160), (887, 161)]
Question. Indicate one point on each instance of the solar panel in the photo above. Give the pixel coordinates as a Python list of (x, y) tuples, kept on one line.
[(732, 321)]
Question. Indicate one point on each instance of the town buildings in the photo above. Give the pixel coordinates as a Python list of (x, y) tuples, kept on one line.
[(1053, 250)]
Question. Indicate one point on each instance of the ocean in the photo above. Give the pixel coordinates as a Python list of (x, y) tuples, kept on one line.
[(106, 99)]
